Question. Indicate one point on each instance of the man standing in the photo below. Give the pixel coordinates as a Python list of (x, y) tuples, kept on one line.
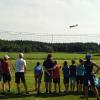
[(89, 75), (20, 70)]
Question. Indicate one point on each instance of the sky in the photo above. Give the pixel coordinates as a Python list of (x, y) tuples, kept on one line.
[(49, 20)]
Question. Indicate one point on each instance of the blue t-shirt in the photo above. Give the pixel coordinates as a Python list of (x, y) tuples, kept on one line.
[(80, 70), (38, 70), (97, 82), (65, 71)]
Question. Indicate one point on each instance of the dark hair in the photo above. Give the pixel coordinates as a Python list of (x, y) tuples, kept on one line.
[(49, 56), (80, 60), (73, 61), (65, 63), (38, 63), (55, 62)]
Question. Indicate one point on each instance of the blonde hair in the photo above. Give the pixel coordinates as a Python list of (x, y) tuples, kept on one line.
[(21, 55)]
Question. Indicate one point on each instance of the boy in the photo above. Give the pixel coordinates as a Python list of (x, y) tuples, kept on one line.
[(65, 71), (38, 76), (56, 76), (20, 70), (80, 76), (48, 70), (72, 71), (6, 73)]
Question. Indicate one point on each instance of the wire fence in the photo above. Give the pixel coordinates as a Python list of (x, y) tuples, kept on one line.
[(48, 37)]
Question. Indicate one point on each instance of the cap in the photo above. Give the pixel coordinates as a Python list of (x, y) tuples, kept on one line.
[(6, 57), (88, 56)]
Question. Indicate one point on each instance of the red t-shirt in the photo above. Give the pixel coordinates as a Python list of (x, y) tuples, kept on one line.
[(5, 67), (56, 71)]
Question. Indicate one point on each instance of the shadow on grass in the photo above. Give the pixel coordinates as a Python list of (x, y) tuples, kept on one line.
[(13, 95)]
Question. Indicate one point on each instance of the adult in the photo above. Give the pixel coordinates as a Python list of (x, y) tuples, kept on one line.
[(6, 73), (48, 71), (89, 75), (20, 70)]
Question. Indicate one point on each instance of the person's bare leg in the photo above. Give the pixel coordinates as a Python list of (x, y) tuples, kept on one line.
[(86, 92), (46, 86), (3, 87), (50, 87), (54, 87), (25, 86), (38, 87), (96, 92), (9, 86), (18, 88), (35, 84), (59, 87)]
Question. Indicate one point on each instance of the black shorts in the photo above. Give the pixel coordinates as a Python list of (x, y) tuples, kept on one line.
[(19, 76), (38, 78), (80, 79), (56, 80), (66, 80), (89, 78), (6, 78)]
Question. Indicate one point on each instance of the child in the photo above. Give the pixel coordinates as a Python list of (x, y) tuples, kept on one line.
[(48, 65), (56, 76), (38, 76), (65, 71), (6, 72), (80, 76), (72, 70), (1, 60)]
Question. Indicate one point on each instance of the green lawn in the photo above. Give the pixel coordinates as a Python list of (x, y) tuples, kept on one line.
[(31, 59)]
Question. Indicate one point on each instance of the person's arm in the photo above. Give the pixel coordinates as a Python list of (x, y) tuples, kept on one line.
[(25, 66), (46, 70), (98, 68)]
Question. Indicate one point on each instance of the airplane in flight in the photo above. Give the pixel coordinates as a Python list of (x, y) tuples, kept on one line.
[(72, 26)]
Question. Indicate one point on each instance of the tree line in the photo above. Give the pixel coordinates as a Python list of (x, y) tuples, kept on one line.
[(33, 46)]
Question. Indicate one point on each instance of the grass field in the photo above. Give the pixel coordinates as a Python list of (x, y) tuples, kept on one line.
[(31, 59)]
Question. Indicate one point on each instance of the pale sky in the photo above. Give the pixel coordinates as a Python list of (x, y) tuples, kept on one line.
[(50, 17)]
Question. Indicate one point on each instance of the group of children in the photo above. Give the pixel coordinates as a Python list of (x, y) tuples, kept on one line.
[(73, 74), (80, 76), (76, 75)]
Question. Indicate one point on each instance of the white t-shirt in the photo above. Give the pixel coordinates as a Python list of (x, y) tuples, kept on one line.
[(20, 63)]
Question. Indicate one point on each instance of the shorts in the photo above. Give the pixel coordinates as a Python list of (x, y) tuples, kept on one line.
[(47, 78), (72, 80), (6, 78), (0, 77), (80, 79), (19, 76), (89, 78), (38, 78), (66, 80), (56, 80)]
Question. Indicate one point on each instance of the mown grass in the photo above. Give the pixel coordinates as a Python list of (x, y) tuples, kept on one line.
[(31, 59)]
